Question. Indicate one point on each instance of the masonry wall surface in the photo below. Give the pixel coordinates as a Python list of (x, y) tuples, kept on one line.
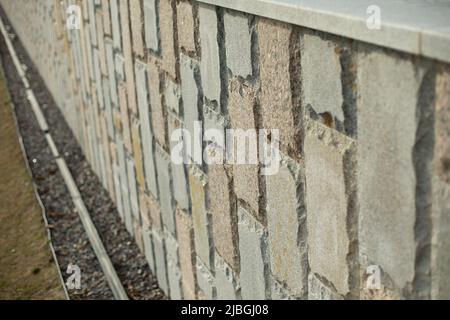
[(364, 176)]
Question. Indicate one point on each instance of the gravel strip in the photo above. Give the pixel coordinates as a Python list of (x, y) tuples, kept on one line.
[(68, 236)]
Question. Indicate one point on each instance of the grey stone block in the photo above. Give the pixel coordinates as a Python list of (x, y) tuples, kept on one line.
[(251, 244), (147, 136), (120, 67), (278, 291), (164, 182), (179, 174), (321, 70), (205, 280), (148, 249), (160, 262), (440, 259), (151, 26), (132, 185), (190, 94), (238, 43), (108, 109), (118, 188), (210, 64), (225, 280), (200, 216), (124, 184), (92, 24), (111, 72), (115, 24), (319, 291), (285, 220), (172, 96), (327, 199), (387, 127), (173, 267)]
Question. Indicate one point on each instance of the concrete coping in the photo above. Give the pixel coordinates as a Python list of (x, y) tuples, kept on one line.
[(419, 27)]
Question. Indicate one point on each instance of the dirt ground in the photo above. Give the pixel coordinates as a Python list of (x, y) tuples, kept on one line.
[(27, 269)]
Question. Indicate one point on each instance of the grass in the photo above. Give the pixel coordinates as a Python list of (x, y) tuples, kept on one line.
[(27, 269)]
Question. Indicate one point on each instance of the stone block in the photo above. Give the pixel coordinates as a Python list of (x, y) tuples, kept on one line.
[(106, 18), (137, 27), (210, 63), (186, 25), (128, 55), (160, 262), (148, 249), (172, 96), (317, 290), (133, 189), (185, 233), (151, 25), (327, 157), (146, 130), (226, 281), (166, 28), (200, 216), (173, 267), (137, 153), (159, 121), (238, 43), (278, 110), (321, 80), (179, 174), (115, 24), (387, 126), (125, 125), (442, 126), (205, 281), (286, 226), (224, 220), (165, 195), (189, 93), (246, 176), (251, 248)]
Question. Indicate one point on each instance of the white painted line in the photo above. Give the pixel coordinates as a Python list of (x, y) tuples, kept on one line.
[(52, 145), (94, 238), (37, 110)]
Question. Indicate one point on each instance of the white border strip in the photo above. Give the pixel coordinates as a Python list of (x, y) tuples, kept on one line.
[(94, 238)]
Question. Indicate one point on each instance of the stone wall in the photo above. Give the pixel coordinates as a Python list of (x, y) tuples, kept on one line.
[(364, 139)]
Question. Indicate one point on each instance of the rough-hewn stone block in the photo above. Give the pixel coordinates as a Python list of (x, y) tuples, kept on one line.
[(326, 155), (388, 88), (225, 280), (137, 27), (185, 233), (197, 184), (321, 80), (277, 106), (224, 220), (319, 291), (186, 25), (151, 25), (165, 195), (179, 174), (246, 176), (238, 43), (286, 226), (251, 244), (210, 63), (168, 46), (159, 122)]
